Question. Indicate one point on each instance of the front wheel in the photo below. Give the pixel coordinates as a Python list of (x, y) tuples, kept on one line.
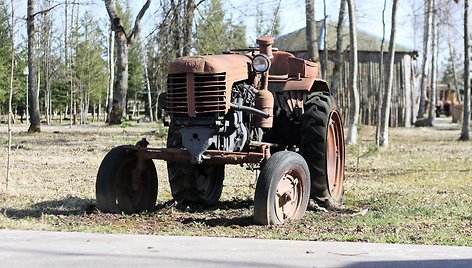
[(282, 189), (122, 187)]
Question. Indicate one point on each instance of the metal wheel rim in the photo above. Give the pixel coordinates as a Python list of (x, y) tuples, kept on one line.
[(335, 155), (288, 195)]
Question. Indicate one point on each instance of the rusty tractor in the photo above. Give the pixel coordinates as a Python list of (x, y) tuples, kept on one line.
[(260, 107)]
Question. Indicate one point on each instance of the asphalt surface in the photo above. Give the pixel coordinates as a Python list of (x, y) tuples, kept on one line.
[(63, 249)]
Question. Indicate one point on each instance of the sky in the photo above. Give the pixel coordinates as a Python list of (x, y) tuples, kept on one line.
[(292, 15)]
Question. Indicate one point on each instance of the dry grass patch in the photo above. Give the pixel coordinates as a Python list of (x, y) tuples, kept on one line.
[(415, 191)]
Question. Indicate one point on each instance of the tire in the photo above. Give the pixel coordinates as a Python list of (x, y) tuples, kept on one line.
[(114, 185), (190, 183), (322, 146), (282, 189)]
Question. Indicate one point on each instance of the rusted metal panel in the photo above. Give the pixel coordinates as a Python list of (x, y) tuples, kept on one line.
[(280, 63), (302, 74), (215, 73), (211, 156), (265, 103)]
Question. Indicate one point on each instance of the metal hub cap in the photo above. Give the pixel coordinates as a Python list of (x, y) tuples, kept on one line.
[(288, 196)]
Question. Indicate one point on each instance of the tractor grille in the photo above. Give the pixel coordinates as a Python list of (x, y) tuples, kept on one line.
[(196, 95)]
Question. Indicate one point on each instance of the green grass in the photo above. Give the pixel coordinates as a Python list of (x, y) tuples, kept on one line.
[(415, 191)]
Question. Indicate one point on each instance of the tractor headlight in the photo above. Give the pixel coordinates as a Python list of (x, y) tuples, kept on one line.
[(261, 63)]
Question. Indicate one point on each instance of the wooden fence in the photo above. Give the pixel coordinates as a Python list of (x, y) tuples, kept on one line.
[(404, 91)]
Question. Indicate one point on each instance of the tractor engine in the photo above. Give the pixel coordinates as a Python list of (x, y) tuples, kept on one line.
[(205, 98)]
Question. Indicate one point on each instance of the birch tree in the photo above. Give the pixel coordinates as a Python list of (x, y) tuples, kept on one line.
[(111, 72), (45, 46), (434, 64), (122, 40), (10, 109), (354, 92), (425, 64), (388, 92), (380, 91)]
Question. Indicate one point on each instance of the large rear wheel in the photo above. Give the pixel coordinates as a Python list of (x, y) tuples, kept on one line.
[(123, 187), (322, 146), (190, 183), (282, 189)]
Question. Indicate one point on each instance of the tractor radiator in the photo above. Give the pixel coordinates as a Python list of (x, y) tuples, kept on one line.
[(196, 94)]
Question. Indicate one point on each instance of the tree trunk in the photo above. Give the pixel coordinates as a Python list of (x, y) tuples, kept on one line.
[(118, 110), (176, 26), (311, 38), (188, 25), (71, 89), (434, 65), (324, 67), (10, 109), (148, 87), (453, 64), (111, 70), (388, 94), (355, 99), (379, 97), (47, 65), (466, 122), (338, 62), (424, 67), (35, 121)]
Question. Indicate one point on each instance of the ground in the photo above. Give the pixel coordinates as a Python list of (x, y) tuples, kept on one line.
[(416, 191)]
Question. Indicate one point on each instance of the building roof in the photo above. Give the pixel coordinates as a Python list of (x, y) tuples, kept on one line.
[(296, 41)]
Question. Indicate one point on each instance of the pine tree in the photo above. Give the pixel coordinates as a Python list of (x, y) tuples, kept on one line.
[(91, 67), (215, 33)]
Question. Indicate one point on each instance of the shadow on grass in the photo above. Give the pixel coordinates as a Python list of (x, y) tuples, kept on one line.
[(61, 207), (241, 221), (232, 217)]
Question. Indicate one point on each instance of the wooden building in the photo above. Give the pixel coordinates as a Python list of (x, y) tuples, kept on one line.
[(405, 82)]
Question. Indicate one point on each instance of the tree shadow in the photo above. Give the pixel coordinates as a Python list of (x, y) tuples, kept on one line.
[(222, 205), (241, 221), (61, 207), (233, 216)]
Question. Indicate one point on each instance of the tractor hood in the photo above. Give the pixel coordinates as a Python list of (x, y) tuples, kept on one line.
[(235, 66), (210, 78)]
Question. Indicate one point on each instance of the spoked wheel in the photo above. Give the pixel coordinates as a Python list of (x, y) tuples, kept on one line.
[(282, 189), (190, 183), (123, 185), (322, 146)]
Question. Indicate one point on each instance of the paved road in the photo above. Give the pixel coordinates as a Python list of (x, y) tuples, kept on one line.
[(61, 249)]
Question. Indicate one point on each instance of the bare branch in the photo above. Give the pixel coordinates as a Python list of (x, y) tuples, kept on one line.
[(137, 22), (41, 12)]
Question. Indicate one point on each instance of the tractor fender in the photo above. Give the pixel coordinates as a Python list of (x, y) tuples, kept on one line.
[(320, 85), (307, 84)]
